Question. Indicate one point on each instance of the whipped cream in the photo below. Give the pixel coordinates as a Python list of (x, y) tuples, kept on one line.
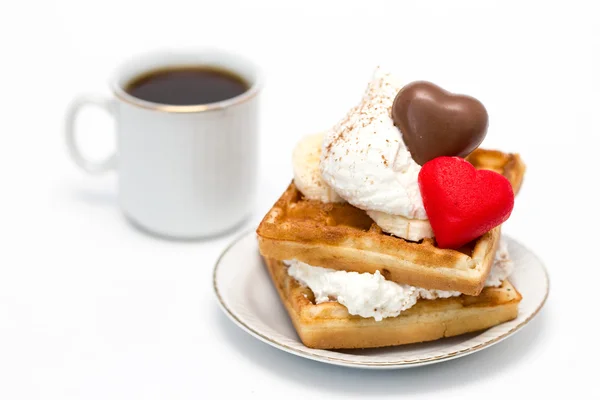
[(367, 295), (371, 295), (502, 268), (365, 160)]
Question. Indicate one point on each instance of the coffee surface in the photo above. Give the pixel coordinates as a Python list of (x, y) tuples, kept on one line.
[(187, 86)]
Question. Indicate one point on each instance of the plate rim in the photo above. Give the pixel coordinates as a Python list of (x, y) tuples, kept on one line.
[(370, 364)]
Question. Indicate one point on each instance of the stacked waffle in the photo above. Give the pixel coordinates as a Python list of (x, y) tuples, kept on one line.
[(357, 259)]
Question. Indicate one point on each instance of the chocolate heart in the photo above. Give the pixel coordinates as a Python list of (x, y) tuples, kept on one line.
[(435, 123)]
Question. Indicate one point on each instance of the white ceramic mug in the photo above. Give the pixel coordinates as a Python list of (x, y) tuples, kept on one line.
[(183, 171)]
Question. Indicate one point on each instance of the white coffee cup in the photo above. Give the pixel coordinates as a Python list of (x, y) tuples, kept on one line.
[(183, 171)]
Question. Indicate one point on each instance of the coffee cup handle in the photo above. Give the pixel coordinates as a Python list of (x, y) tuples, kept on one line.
[(79, 103)]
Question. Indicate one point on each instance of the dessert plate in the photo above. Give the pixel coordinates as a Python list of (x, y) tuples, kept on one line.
[(247, 296)]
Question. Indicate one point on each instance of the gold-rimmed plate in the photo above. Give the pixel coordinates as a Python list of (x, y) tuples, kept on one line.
[(247, 296)]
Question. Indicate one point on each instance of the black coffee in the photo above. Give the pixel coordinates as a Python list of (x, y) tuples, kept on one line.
[(187, 86)]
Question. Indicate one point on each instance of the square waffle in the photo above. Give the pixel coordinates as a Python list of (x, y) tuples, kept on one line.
[(343, 237), (329, 325)]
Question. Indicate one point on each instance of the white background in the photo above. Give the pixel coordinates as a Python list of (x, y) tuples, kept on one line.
[(90, 308)]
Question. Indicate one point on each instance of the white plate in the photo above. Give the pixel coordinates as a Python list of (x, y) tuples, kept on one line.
[(247, 295)]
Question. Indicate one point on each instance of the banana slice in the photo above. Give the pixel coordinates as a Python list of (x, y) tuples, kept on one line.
[(410, 229), (306, 159)]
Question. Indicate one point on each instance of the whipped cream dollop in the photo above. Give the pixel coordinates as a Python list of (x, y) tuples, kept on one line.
[(365, 160), (371, 295)]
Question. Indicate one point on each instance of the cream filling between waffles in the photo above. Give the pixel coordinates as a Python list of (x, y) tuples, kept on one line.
[(365, 161), (371, 295)]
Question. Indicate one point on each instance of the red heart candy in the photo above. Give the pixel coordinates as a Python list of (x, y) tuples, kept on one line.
[(463, 203)]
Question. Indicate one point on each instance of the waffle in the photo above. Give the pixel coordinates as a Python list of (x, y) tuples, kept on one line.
[(343, 237), (329, 326)]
